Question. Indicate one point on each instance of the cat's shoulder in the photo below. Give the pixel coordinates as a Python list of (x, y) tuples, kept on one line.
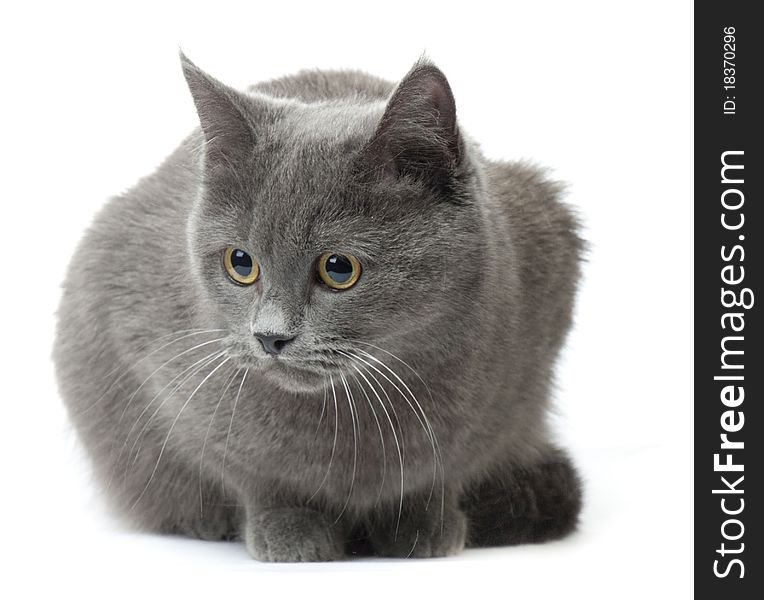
[(314, 85)]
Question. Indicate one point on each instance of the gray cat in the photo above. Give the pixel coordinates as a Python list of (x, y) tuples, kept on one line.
[(326, 325)]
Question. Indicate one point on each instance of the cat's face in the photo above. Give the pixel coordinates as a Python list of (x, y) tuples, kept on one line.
[(326, 230)]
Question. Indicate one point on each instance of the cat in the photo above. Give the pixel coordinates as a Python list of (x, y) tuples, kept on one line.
[(326, 326)]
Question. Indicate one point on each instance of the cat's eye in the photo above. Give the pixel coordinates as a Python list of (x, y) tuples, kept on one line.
[(339, 271), (240, 266)]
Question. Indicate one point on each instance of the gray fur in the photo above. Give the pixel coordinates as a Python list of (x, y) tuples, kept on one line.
[(469, 273)]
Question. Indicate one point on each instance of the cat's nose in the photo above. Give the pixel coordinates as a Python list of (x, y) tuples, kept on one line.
[(273, 343)]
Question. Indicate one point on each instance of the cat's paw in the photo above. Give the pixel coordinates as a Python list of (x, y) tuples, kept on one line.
[(430, 538), (292, 535)]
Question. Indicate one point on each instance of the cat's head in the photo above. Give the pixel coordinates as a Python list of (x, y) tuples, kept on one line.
[(330, 227)]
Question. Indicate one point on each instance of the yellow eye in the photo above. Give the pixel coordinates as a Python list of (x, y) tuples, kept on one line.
[(240, 266), (339, 271)]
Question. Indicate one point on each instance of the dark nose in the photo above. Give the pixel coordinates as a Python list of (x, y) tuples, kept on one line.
[(273, 343)]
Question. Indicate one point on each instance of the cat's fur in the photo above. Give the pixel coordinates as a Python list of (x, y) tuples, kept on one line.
[(450, 336)]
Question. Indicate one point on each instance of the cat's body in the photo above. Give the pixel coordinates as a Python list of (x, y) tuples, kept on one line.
[(444, 347)]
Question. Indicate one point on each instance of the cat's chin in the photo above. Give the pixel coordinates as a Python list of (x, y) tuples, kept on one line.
[(291, 377)]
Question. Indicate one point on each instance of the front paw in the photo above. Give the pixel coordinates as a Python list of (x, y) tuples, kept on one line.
[(292, 535), (426, 537)]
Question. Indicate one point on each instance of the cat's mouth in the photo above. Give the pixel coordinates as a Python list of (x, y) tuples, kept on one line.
[(294, 372), (321, 367), (297, 374)]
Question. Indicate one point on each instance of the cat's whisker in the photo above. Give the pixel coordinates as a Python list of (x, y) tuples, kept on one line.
[(227, 385), (423, 421), (135, 449), (433, 437), (201, 363), (189, 332), (407, 365), (395, 438), (413, 546), (228, 434), (172, 426), (368, 367), (334, 442), (381, 436), (192, 370), (323, 410), (162, 366), (389, 400), (433, 404), (353, 419), (146, 346), (410, 368), (133, 395)]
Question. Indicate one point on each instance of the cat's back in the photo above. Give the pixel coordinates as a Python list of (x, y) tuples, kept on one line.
[(543, 232), (315, 85), (543, 228)]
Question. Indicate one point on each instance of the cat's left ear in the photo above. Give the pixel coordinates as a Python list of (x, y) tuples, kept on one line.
[(418, 134), (223, 113)]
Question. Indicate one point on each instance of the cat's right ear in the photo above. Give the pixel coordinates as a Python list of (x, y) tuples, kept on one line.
[(418, 134), (223, 114)]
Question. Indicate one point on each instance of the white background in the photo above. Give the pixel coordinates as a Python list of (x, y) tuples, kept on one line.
[(93, 98)]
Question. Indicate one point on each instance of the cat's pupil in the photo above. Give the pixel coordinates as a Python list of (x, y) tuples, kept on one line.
[(339, 268), (241, 263)]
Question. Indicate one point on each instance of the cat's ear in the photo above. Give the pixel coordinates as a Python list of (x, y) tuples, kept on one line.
[(418, 134), (223, 113)]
